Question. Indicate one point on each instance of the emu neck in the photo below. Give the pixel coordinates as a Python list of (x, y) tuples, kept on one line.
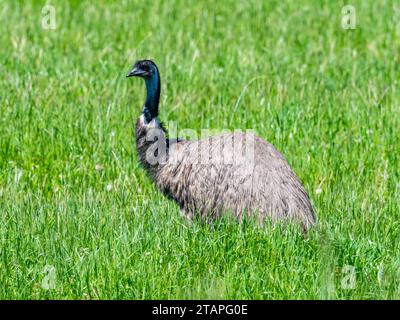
[(153, 88), (151, 144)]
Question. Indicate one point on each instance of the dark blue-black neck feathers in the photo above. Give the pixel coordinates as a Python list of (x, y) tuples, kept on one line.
[(153, 88)]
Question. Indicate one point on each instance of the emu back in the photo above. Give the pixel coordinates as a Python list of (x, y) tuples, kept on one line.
[(236, 173)]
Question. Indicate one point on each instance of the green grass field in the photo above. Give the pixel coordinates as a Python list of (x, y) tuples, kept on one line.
[(80, 219)]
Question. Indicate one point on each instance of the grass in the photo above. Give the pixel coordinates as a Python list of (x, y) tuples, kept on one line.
[(81, 220)]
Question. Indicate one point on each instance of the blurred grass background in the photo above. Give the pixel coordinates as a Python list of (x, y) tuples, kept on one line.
[(73, 197)]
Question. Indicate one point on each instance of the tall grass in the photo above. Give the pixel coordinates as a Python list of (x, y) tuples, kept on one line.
[(81, 220)]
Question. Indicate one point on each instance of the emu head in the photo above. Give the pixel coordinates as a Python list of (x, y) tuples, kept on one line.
[(145, 69)]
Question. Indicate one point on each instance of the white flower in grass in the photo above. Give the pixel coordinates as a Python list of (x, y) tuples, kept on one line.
[(99, 167), (319, 188), (109, 187)]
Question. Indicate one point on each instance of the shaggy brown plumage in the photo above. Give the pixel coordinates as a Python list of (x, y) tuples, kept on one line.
[(237, 173)]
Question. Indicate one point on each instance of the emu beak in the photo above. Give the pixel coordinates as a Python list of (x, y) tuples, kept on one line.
[(136, 72)]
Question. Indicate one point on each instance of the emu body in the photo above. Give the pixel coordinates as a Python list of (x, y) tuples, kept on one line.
[(237, 173)]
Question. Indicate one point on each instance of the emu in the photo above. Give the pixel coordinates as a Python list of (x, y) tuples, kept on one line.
[(235, 173)]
